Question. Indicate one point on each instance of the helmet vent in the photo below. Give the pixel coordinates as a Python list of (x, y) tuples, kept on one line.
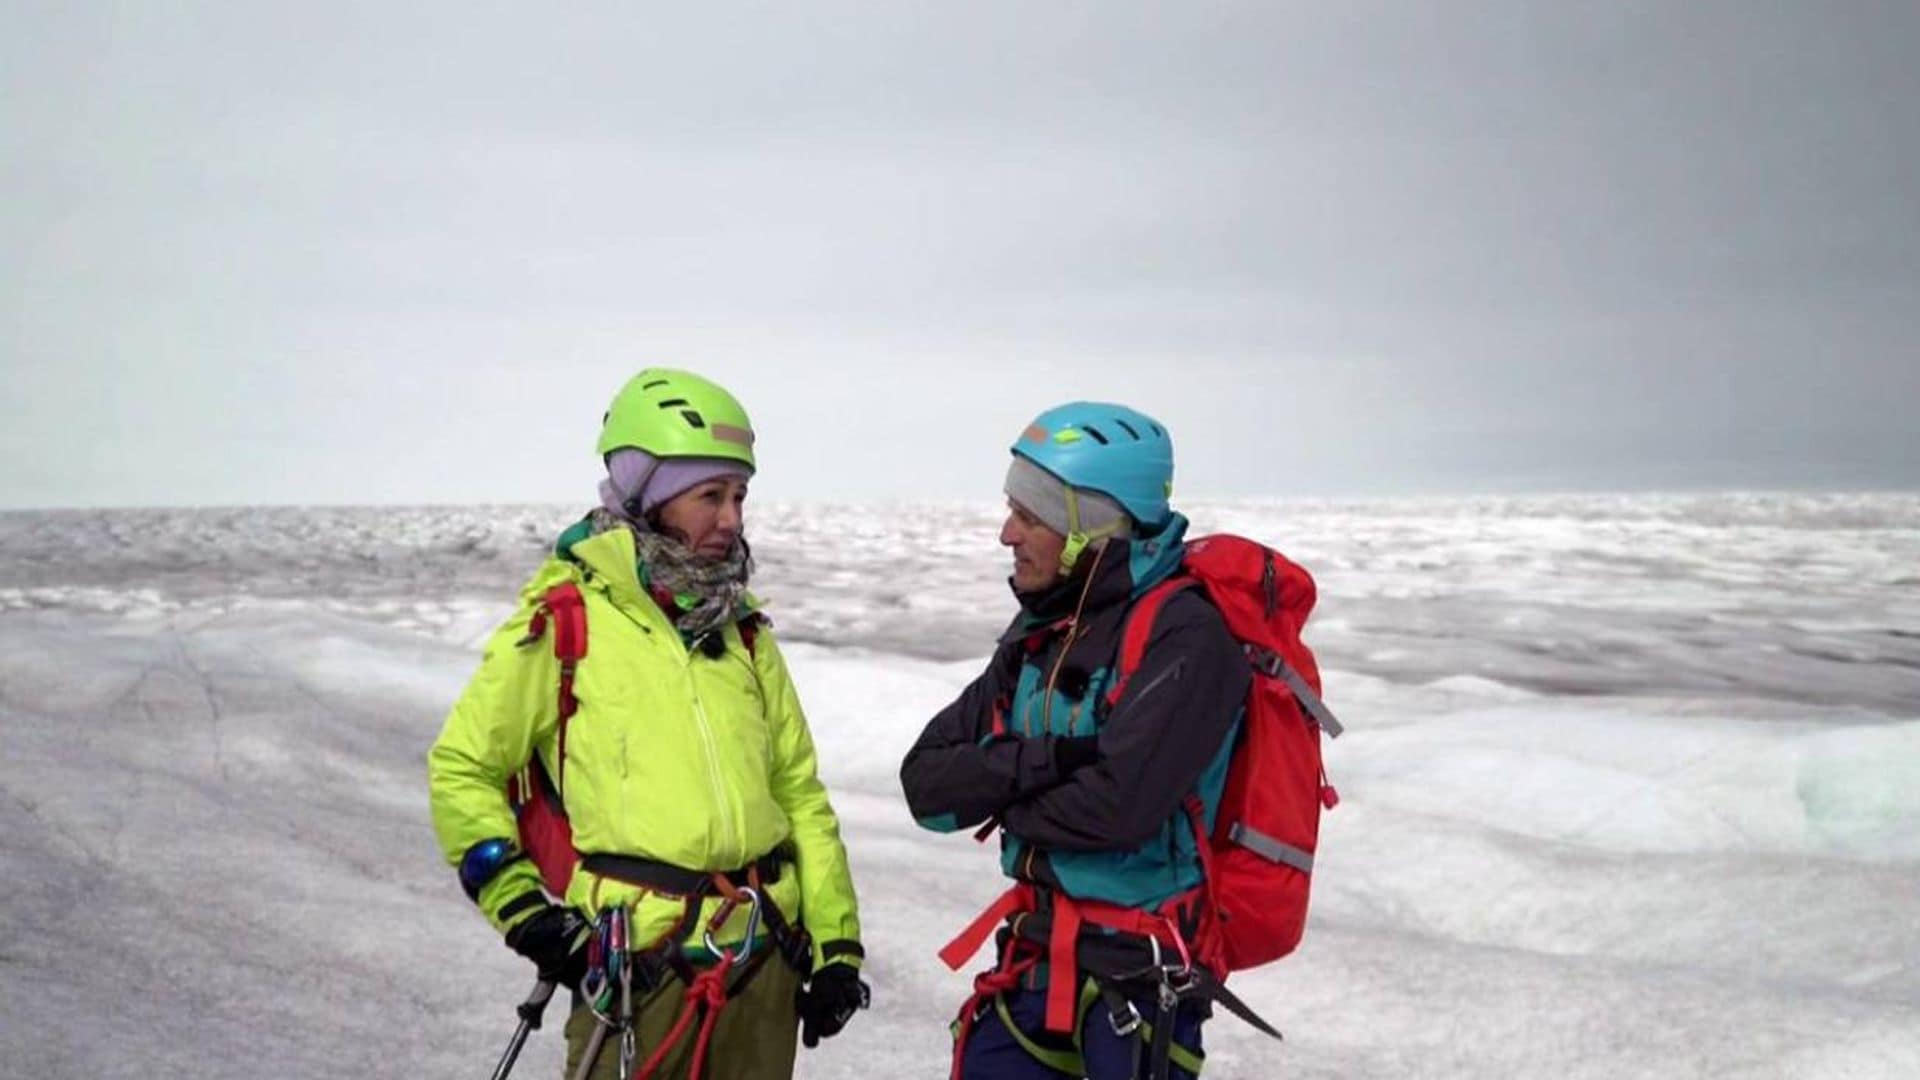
[(675, 403), (1128, 428), (654, 383), (1095, 432), (1157, 431), (692, 418)]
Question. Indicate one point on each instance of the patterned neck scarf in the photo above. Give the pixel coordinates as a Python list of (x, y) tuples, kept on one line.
[(707, 594)]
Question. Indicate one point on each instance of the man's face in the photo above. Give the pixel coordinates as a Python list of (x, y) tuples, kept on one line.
[(1036, 549)]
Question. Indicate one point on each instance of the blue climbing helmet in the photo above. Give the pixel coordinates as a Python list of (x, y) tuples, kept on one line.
[(1116, 451)]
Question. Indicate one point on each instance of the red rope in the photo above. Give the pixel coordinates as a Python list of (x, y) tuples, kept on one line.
[(706, 996), (988, 985), (711, 988)]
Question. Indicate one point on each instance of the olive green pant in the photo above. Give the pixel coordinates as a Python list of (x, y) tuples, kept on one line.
[(754, 1039)]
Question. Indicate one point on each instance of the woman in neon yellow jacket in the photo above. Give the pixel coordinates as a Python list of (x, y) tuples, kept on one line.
[(702, 837)]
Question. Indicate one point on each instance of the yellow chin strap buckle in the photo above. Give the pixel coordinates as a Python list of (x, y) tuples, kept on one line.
[(1077, 540)]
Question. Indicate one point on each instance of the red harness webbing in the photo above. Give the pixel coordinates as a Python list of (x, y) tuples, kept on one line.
[(1069, 916)]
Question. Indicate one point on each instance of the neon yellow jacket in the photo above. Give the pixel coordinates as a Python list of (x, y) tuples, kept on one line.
[(705, 763)]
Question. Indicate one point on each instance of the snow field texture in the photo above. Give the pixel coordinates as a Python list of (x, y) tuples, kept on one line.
[(1631, 785)]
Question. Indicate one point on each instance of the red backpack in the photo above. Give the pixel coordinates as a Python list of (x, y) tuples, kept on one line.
[(1258, 858)]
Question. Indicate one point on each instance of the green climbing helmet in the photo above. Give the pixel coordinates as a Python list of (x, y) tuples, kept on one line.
[(677, 414)]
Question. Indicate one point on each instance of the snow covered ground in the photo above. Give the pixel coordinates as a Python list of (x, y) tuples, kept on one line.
[(1631, 788)]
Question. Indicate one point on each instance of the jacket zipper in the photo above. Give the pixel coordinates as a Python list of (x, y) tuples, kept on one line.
[(1171, 673), (713, 763), (707, 744)]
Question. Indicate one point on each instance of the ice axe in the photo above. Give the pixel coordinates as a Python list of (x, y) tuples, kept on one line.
[(531, 1010)]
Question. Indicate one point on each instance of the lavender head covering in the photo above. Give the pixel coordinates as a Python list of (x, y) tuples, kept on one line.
[(632, 472)]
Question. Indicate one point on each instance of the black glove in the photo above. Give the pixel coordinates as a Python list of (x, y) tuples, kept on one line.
[(830, 999), (555, 939), (1071, 752)]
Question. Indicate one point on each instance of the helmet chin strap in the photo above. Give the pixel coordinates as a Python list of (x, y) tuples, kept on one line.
[(1077, 540), (631, 503)]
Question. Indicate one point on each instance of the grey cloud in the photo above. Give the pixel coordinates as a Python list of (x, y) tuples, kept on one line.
[(1623, 244)]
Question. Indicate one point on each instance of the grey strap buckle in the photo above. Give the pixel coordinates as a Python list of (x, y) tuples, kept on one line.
[(1274, 666), (1124, 1023)]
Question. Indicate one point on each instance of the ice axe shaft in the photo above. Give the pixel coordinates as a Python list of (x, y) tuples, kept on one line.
[(592, 1054), (531, 1011)]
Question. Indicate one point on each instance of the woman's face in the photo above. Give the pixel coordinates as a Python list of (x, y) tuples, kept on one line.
[(706, 517)]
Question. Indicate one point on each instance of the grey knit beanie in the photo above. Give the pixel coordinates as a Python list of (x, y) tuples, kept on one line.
[(1044, 495)]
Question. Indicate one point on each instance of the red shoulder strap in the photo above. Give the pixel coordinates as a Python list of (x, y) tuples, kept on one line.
[(567, 610), (1139, 629)]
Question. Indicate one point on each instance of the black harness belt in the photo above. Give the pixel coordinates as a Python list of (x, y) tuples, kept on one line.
[(678, 880)]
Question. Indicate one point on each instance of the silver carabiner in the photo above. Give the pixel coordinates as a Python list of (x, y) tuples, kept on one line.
[(629, 1047), (1169, 990), (753, 928)]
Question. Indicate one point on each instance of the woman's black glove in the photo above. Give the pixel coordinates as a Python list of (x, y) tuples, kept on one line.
[(555, 939), (830, 999)]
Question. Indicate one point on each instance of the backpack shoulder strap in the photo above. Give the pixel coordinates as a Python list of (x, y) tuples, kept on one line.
[(563, 607), (1138, 630), (568, 610)]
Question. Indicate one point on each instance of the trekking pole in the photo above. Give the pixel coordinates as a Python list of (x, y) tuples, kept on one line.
[(531, 1011)]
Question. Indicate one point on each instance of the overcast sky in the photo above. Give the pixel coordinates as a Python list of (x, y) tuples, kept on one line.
[(406, 252)]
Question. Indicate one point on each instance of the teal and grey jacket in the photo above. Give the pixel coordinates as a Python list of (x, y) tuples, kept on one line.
[(1106, 821)]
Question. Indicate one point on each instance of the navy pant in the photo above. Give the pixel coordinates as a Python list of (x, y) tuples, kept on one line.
[(992, 1053)]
